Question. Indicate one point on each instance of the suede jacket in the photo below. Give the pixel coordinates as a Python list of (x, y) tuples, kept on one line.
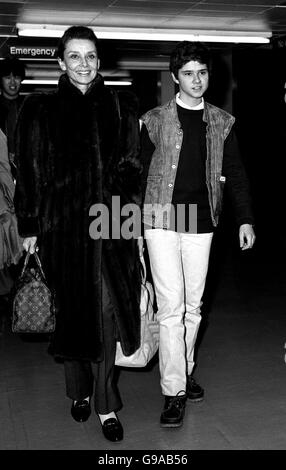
[(165, 132)]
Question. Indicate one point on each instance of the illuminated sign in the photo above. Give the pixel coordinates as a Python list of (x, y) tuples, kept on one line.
[(33, 52)]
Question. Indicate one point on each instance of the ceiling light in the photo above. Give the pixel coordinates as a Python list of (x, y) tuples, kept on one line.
[(8, 35), (55, 82), (27, 81), (56, 31), (117, 82)]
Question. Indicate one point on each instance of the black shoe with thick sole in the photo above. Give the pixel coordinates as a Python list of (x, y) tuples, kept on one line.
[(81, 410), (174, 410), (195, 392), (112, 429)]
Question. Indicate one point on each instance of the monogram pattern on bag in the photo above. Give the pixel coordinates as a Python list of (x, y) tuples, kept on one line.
[(33, 305), (33, 310)]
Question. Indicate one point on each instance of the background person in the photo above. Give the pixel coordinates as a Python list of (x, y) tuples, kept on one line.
[(12, 72), (11, 248), (68, 159)]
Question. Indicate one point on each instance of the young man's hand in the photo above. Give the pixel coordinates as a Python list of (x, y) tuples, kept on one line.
[(246, 236)]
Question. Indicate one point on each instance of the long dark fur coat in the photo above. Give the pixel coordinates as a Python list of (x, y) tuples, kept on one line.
[(73, 151)]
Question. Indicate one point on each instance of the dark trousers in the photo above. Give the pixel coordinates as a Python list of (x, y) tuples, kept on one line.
[(84, 377)]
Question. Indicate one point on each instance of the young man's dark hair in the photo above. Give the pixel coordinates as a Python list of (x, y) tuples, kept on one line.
[(76, 32), (12, 65), (186, 51)]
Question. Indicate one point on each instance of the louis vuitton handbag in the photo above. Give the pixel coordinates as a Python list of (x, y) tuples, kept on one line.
[(149, 342), (33, 304)]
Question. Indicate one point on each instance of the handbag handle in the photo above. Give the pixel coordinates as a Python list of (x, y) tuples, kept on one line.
[(28, 254), (144, 269)]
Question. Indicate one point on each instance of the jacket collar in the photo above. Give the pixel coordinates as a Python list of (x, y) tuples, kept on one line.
[(172, 104), (67, 88)]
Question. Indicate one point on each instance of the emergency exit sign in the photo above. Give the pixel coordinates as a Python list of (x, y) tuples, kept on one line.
[(28, 52)]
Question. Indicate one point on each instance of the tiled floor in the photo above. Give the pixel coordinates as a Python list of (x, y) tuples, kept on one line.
[(241, 365)]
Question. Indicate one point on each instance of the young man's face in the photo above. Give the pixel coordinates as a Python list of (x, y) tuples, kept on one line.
[(11, 86), (193, 81)]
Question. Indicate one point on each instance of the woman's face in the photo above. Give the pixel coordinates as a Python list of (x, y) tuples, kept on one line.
[(80, 63)]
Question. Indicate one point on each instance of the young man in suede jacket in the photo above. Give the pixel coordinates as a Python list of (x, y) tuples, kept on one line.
[(189, 153)]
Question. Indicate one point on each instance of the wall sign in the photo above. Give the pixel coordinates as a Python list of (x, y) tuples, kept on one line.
[(27, 52)]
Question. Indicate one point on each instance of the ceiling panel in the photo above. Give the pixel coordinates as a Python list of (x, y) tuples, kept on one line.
[(277, 15), (234, 9), (68, 4), (10, 8), (129, 12), (222, 23), (54, 16), (7, 20), (127, 21), (234, 15), (265, 4), (157, 7)]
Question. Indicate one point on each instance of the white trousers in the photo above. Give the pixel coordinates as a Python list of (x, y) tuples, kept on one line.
[(179, 265)]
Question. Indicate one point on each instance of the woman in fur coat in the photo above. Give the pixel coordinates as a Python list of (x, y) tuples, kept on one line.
[(75, 147)]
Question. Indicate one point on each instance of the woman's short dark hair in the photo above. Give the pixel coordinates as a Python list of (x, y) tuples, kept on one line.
[(76, 32), (186, 51), (12, 65)]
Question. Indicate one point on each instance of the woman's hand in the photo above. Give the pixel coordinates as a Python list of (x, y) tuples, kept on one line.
[(29, 244)]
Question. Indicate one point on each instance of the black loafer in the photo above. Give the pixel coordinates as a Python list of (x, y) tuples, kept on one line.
[(112, 430), (174, 411), (81, 410), (194, 391)]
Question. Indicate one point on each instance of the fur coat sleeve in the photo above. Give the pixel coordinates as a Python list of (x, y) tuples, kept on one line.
[(29, 174)]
